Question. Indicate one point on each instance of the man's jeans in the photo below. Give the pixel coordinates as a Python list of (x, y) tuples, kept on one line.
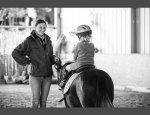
[(40, 87)]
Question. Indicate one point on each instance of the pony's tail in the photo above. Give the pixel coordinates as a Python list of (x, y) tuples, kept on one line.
[(102, 97)]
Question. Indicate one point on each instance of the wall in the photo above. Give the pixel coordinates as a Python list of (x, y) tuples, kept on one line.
[(112, 27), (126, 70), (143, 30)]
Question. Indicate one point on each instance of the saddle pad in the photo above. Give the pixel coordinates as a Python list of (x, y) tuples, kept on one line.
[(69, 82)]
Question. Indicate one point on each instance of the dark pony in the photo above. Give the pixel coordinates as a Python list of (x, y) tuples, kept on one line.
[(91, 88)]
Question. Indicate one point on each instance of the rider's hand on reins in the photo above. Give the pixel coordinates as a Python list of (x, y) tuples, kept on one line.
[(68, 67)]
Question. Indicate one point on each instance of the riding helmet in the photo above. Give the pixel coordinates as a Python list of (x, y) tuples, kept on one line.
[(82, 28)]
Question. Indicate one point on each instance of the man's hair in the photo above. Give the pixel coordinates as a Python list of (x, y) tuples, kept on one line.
[(39, 21)]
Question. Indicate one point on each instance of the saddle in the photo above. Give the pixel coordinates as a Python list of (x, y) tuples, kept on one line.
[(67, 75), (83, 68)]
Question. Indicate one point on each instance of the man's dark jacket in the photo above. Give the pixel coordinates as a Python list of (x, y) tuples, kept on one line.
[(31, 52)]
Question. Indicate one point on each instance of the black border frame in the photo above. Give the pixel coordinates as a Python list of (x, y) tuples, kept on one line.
[(74, 3)]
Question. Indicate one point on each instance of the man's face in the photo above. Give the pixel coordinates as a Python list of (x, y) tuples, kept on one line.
[(41, 28)]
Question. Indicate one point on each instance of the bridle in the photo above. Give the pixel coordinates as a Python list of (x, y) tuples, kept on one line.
[(58, 67), (61, 69)]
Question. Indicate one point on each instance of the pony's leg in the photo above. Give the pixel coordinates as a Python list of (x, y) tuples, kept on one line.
[(86, 98), (72, 101), (85, 94)]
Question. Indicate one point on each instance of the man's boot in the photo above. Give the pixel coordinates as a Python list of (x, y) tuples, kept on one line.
[(35, 104), (42, 104)]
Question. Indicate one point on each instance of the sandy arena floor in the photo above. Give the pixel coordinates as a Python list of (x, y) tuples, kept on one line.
[(19, 96)]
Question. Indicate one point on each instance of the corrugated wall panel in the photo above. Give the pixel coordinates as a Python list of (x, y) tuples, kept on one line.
[(142, 29), (119, 31), (128, 31), (114, 38), (102, 32), (123, 31), (115, 30)]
